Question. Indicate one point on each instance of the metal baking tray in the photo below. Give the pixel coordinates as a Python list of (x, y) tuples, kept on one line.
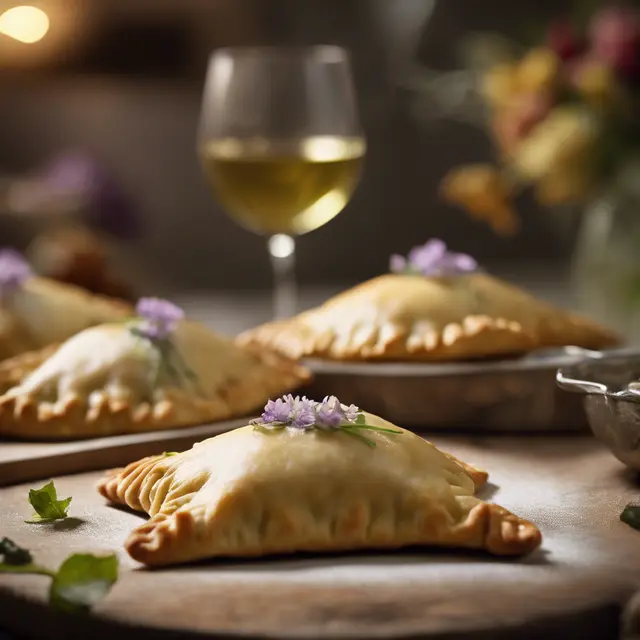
[(609, 387), (518, 394)]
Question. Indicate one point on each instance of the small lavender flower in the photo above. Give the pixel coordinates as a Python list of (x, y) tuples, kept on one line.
[(303, 414), (397, 263), (329, 413), (428, 256), (433, 259), (14, 270), (277, 411), (159, 317), (351, 412)]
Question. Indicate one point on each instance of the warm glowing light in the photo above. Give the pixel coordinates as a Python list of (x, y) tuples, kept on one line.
[(25, 24)]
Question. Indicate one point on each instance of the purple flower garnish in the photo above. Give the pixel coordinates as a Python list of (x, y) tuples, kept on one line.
[(159, 317), (14, 270), (277, 411), (433, 259), (330, 413), (293, 412), (305, 414), (397, 263), (302, 414)]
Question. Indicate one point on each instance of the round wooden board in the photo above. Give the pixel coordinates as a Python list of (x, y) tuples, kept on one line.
[(576, 586)]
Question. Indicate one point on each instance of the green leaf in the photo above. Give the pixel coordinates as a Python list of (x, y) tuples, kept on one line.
[(82, 580), (354, 434), (13, 554), (168, 454), (46, 504), (631, 516), (361, 419)]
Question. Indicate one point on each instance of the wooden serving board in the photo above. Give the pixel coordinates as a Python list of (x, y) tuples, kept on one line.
[(21, 461), (577, 586)]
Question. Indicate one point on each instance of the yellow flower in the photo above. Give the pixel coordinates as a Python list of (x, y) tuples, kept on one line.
[(538, 70), (484, 193), (500, 84), (596, 82), (561, 142), (536, 73), (562, 188)]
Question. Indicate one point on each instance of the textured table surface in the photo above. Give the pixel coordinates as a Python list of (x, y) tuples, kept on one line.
[(575, 586)]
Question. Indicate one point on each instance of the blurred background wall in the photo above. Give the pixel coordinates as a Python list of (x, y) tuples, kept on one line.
[(122, 79)]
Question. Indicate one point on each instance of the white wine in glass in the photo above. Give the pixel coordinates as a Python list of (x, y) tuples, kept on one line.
[(281, 145)]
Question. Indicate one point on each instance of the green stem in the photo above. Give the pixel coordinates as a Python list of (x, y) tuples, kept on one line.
[(30, 568), (359, 436), (370, 427)]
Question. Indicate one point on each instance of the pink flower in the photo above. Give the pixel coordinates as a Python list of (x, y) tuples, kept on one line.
[(615, 36)]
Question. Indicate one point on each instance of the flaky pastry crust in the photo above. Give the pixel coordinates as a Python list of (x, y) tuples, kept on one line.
[(417, 318), (43, 312), (107, 381), (250, 493)]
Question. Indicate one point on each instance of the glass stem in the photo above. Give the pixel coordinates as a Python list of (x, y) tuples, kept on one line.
[(282, 250)]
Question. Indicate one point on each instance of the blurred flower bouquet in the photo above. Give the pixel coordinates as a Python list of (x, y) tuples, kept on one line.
[(563, 116)]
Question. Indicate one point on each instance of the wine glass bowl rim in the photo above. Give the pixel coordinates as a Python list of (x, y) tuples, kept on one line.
[(325, 53)]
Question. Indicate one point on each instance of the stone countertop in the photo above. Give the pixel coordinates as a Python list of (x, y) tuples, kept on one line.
[(575, 586)]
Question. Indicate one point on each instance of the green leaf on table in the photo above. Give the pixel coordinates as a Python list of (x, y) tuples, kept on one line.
[(15, 559), (631, 516), (46, 504), (12, 554), (82, 580)]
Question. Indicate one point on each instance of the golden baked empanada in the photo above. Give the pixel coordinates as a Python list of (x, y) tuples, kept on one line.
[(153, 372), (451, 313), (275, 487), (37, 312)]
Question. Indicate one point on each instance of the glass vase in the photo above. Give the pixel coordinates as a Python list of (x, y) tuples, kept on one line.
[(606, 263)]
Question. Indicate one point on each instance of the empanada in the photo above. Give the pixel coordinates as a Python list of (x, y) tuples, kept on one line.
[(445, 316), (254, 491), (110, 379), (36, 312)]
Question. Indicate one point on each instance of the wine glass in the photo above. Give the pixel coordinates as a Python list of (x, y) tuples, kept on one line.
[(281, 145)]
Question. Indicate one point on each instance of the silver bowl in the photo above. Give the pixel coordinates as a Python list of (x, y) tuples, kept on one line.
[(509, 395), (610, 385)]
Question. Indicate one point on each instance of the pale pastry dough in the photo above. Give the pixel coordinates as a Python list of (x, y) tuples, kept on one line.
[(105, 381), (427, 318), (250, 493), (42, 312)]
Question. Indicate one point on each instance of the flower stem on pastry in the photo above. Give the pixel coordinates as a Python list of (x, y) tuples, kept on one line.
[(157, 320), (304, 414)]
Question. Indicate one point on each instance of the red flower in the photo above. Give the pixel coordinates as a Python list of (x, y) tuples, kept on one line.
[(563, 41)]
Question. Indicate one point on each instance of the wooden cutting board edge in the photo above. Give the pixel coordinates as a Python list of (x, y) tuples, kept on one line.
[(62, 458)]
